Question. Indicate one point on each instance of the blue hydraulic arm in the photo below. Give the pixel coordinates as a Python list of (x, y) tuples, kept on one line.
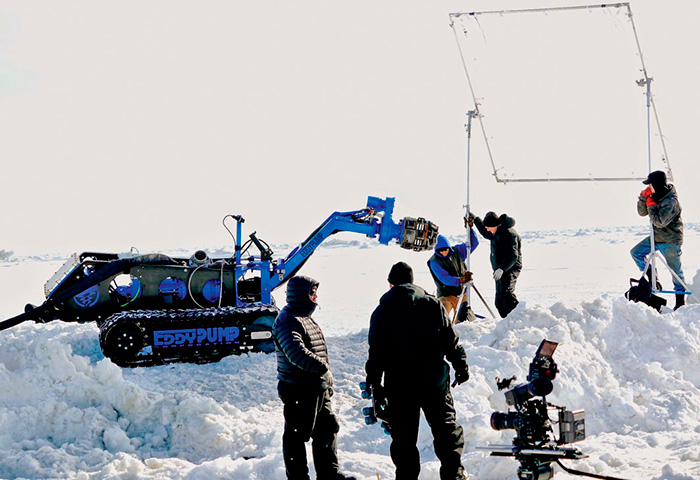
[(374, 221)]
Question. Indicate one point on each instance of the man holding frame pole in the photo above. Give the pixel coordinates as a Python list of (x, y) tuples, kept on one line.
[(451, 276), (506, 256)]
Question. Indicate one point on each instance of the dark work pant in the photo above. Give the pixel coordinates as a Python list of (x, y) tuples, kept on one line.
[(404, 407), (308, 415), (506, 300)]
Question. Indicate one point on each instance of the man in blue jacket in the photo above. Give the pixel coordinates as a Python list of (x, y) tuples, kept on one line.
[(305, 382), (450, 272)]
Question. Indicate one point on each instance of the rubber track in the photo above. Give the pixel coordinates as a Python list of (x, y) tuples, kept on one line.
[(149, 320)]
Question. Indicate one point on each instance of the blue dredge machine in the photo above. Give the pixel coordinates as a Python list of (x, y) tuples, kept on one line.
[(154, 309)]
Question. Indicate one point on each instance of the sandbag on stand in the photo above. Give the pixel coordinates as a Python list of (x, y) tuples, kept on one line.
[(641, 292)]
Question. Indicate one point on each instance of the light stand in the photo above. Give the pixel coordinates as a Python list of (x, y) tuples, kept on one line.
[(653, 252), (471, 114)]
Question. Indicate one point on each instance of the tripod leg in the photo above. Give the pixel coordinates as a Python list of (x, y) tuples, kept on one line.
[(650, 271), (459, 303), (675, 275), (483, 301)]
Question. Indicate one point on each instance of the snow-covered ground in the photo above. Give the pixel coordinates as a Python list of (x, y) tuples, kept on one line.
[(67, 412)]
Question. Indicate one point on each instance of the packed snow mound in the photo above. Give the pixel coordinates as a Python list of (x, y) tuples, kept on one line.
[(67, 412)]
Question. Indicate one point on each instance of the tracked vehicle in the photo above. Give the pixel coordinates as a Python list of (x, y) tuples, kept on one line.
[(154, 309)]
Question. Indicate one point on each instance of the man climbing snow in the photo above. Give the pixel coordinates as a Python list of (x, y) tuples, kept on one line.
[(506, 257)]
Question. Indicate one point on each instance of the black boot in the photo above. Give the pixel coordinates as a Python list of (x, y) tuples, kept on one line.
[(658, 284), (680, 301)]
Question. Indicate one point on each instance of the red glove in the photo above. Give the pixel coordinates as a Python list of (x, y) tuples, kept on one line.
[(646, 192), (650, 202)]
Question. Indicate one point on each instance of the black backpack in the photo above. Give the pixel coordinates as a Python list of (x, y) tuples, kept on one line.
[(641, 292)]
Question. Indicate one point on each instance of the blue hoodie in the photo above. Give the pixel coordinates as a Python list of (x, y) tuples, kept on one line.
[(461, 249), (442, 242)]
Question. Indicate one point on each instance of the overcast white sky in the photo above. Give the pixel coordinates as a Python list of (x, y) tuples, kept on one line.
[(126, 123)]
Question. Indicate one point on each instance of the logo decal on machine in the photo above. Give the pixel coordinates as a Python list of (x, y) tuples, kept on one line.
[(194, 337), (311, 246), (88, 298)]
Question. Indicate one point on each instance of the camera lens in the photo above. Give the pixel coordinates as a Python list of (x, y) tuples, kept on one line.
[(504, 421), (525, 391)]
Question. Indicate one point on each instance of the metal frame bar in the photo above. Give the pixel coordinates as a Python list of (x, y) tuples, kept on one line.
[(541, 10), (643, 82), (569, 179)]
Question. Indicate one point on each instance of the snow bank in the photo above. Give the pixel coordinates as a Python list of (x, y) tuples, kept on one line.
[(67, 410)]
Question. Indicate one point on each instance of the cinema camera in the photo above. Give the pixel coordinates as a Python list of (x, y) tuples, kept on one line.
[(535, 445)]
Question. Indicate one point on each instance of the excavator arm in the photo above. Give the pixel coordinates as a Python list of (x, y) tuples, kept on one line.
[(374, 221)]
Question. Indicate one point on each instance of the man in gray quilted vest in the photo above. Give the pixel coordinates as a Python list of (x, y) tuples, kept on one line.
[(304, 386)]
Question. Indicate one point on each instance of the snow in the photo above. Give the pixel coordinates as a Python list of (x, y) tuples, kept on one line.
[(67, 412)]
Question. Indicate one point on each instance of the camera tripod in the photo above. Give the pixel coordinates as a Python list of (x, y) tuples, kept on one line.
[(651, 264)]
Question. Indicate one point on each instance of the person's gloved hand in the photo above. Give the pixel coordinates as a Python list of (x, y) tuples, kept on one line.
[(379, 402), (650, 201), (646, 192), (461, 375), (376, 388), (467, 277), (497, 274), (469, 220)]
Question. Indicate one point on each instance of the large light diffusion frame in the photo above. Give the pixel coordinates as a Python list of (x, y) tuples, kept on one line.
[(560, 86)]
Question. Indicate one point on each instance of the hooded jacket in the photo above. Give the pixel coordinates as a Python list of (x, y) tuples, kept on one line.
[(505, 244), (409, 338), (665, 215), (302, 353), (448, 270)]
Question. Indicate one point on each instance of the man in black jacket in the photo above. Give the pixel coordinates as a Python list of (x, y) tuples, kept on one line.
[(304, 386), (506, 258), (410, 336)]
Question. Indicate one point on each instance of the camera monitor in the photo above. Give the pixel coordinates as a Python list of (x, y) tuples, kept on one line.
[(546, 349)]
